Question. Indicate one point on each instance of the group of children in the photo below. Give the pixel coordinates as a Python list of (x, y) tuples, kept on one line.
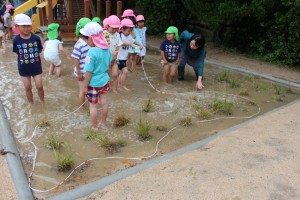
[(98, 53), (6, 23)]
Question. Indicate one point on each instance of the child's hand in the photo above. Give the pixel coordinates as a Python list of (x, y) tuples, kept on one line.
[(69, 58), (141, 47), (84, 90), (114, 54)]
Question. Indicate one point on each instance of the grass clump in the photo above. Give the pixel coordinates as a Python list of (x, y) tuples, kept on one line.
[(110, 145), (278, 89), (90, 134), (250, 77), (148, 106), (53, 142), (233, 84), (203, 113), (44, 124), (259, 87), (222, 107), (64, 162), (121, 120), (244, 92), (186, 121), (142, 129), (224, 76), (290, 91), (161, 128)]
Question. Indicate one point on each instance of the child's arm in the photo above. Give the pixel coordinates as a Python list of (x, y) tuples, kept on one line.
[(162, 53), (79, 74), (178, 59), (127, 44), (86, 81), (137, 43), (61, 48)]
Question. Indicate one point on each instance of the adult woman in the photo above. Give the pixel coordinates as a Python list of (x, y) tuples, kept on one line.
[(193, 53)]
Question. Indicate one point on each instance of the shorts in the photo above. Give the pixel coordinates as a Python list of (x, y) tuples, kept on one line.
[(1, 33), (94, 92), (135, 49), (55, 60), (121, 64)]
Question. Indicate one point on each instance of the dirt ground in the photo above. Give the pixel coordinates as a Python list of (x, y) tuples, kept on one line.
[(266, 154)]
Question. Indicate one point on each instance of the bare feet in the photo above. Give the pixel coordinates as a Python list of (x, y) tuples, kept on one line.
[(115, 91), (125, 88)]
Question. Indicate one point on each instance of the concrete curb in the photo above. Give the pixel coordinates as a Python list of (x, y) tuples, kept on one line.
[(13, 160)]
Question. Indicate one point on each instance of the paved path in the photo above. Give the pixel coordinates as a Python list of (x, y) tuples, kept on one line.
[(258, 161)]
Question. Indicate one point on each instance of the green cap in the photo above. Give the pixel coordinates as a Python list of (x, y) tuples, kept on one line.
[(52, 31), (80, 24), (97, 19), (173, 29)]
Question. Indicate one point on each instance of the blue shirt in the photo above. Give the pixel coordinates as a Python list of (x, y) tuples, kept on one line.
[(97, 62), (28, 51), (171, 50)]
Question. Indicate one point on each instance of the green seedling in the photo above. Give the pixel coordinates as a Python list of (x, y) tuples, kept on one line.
[(90, 134), (64, 162), (142, 129), (186, 121), (53, 142), (121, 120), (203, 113), (222, 107), (148, 107), (224, 76)]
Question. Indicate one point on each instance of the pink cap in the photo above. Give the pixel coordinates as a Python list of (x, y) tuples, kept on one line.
[(127, 23), (100, 41), (113, 21), (128, 13), (104, 22), (8, 8), (140, 18)]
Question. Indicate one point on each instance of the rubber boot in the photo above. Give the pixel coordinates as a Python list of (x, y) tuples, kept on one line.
[(181, 73)]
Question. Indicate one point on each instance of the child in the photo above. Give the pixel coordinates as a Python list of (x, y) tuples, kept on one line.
[(97, 19), (114, 40), (170, 53), (51, 47), (79, 53), (28, 46), (96, 82), (134, 50), (142, 32), (128, 41), (8, 22), (1, 35)]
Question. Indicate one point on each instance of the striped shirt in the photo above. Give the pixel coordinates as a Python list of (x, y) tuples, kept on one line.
[(79, 52)]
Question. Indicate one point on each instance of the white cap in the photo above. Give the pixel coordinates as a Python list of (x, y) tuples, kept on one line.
[(91, 28), (22, 19)]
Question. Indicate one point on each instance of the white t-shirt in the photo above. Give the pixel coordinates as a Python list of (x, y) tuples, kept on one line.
[(51, 49), (123, 52), (7, 17), (114, 40)]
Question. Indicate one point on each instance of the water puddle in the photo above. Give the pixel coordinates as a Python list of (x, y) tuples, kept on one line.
[(179, 115)]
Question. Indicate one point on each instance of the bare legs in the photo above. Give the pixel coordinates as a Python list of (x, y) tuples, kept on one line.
[(169, 73), (104, 111), (28, 87), (58, 70)]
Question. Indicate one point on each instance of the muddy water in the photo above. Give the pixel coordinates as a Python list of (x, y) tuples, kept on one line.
[(171, 103)]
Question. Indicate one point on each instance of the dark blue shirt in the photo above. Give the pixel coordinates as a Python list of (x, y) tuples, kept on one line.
[(28, 51), (171, 50)]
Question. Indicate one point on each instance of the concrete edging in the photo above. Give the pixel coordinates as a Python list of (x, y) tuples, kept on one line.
[(13, 160)]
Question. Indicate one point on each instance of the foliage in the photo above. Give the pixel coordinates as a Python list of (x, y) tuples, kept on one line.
[(160, 14), (53, 142), (64, 162), (267, 28)]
